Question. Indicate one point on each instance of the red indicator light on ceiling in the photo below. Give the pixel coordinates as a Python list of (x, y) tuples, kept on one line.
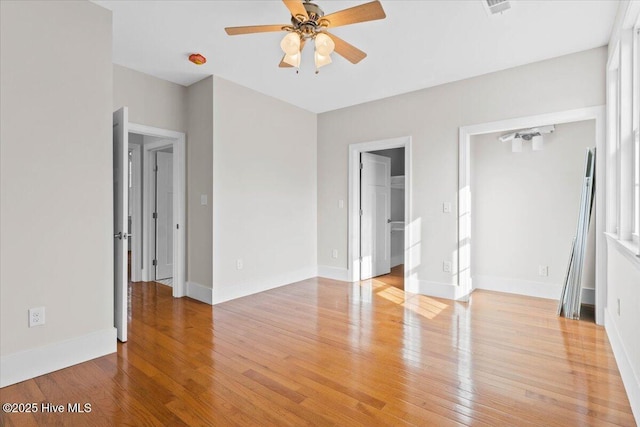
[(197, 59)]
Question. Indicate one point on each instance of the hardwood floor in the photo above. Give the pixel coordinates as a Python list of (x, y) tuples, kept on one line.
[(322, 352), (395, 278)]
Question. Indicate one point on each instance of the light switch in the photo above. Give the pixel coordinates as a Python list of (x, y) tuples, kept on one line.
[(446, 207), (341, 204), (203, 199)]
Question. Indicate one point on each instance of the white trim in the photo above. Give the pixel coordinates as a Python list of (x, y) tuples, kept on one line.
[(630, 379), (436, 289), (518, 286), (31, 363), (528, 288), (628, 13), (200, 292), (334, 273), (264, 284), (464, 194), (177, 141), (626, 249), (353, 248)]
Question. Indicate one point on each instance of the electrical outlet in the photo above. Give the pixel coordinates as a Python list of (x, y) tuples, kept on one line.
[(543, 270), (334, 254), (36, 316), (446, 266), (239, 264)]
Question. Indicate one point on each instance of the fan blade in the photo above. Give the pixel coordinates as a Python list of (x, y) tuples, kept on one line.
[(365, 12), (284, 64), (234, 31), (296, 8), (348, 51)]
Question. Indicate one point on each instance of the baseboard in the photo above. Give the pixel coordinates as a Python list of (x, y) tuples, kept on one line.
[(528, 288), (335, 273), (32, 363), (629, 378), (518, 286), (589, 296), (243, 289), (200, 292), (436, 289)]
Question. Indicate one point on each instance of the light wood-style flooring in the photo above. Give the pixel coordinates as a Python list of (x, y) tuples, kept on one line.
[(395, 278), (322, 352)]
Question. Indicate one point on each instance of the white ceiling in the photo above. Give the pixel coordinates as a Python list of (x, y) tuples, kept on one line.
[(420, 44)]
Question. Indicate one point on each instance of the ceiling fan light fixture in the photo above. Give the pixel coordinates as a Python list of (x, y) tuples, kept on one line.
[(321, 60), (324, 44), (293, 60), (308, 21), (290, 44)]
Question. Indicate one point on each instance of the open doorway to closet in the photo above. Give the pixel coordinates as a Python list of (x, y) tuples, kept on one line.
[(470, 264), (380, 201), (382, 227)]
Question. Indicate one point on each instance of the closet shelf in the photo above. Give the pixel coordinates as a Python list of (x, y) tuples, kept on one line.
[(397, 181), (397, 226)]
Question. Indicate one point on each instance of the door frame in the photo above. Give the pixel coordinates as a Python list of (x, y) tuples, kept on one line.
[(176, 140), (465, 191), (353, 246)]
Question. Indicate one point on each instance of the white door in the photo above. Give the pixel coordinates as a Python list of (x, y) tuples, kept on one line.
[(120, 218), (164, 218), (375, 205)]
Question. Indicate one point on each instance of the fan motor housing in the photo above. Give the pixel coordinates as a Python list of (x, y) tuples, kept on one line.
[(314, 12)]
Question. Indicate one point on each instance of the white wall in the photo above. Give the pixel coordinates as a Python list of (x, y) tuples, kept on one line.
[(56, 211), (264, 186), (525, 210), (199, 182), (151, 101), (432, 118)]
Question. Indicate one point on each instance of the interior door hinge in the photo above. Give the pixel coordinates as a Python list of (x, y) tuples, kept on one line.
[(360, 212), (361, 166), (155, 169), (155, 215), (177, 226), (155, 262)]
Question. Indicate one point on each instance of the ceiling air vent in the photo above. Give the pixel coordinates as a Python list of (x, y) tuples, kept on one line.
[(494, 7)]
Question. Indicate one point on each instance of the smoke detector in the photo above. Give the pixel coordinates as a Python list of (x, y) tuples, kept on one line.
[(493, 7)]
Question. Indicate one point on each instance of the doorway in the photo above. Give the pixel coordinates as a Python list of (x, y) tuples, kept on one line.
[(379, 239), (133, 229), (465, 231), (390, 246)]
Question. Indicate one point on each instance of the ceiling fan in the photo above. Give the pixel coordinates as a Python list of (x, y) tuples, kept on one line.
[(308, 22)]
